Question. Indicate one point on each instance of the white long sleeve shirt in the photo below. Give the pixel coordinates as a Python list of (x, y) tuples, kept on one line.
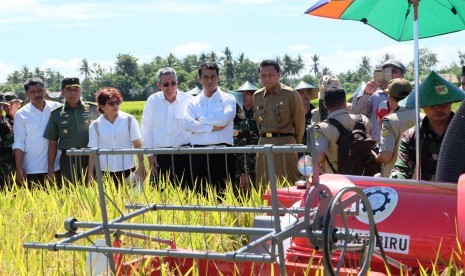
[(162, 121), (203, 113), (118, 135), (29, 126)]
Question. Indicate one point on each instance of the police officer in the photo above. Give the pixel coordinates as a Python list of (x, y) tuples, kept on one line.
[(307, 93), (67, 128), (280, 116), (326, 135), (436, 98), (394, 124), (245, 133), (7, 160)]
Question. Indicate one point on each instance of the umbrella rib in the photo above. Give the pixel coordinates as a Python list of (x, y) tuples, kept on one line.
[(452, 9)]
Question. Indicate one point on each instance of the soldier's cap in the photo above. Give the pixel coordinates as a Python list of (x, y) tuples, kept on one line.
[(435, 90), (327, 82), (394, 63), (399, 88), (11, 96), (70, 82), (247, 86)]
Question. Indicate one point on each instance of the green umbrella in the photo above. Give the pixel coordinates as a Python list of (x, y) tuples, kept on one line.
[(394, 18)]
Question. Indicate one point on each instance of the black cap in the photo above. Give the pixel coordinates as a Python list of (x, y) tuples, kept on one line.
[(10, 96), (70, 82)]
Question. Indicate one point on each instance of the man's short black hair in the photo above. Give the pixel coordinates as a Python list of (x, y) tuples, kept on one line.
[(210, 66), (270, 62), (334, 98), (33, 81)]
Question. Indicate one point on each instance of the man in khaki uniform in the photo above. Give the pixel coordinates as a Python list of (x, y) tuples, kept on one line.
[(280, 116), (394, 124), (67, 128), (326, 135)]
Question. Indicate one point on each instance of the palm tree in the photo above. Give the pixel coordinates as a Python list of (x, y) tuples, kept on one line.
[(85, 69), (299, 65), (316, 65), (326, 71), (384, 57), (25, 73), (172, 61), (228, 68), (365, 67)]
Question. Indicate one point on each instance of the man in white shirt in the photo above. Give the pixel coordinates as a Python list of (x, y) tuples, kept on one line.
[(162, 127), (209, 117), (30, 146)]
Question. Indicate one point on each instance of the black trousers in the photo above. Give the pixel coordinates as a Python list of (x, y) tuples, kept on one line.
[(118, 177), (74, 168), (35, 180), (215, 169), (176, 168)]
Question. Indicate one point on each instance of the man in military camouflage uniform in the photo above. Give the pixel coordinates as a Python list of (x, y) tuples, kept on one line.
[(307, 93), (245, 133), (436, 98), (394, 124), (7, 160), (67, 128)]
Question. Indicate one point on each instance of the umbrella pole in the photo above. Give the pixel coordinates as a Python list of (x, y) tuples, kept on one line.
[(417, 88)]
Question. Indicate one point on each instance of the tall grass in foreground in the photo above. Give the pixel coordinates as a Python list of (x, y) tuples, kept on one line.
[(37, 215)]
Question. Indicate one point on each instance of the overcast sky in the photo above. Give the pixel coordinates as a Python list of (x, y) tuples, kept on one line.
[(59, 34)]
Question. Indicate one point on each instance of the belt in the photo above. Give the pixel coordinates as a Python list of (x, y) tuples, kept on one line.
[(203, 146), (270, 135)]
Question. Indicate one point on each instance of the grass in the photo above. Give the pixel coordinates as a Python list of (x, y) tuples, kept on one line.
[(36, 215), (135, 108)]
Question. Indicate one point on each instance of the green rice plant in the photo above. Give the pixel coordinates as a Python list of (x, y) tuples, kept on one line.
[(134, 107)]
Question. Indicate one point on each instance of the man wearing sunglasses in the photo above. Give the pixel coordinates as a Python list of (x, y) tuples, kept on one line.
[(67, 128), (162, 127), (375, 95)]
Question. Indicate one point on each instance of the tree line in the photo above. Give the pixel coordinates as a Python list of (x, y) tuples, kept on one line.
[(136, 81)]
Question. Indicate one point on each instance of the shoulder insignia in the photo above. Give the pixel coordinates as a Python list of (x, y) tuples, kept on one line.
[(385, 132), (57, 108), (410, 124)]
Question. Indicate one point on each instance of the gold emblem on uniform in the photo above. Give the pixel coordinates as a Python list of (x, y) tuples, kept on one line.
[(317, 134), (65, 131), (260, 119), (269, 135), (410, 124), (86, 108), (385, 132), (236, 132)]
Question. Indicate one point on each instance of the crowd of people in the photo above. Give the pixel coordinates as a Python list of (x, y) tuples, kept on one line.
[(36, 136)]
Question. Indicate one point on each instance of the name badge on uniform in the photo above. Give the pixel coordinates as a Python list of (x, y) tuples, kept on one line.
[(87, 114), (64, 122)]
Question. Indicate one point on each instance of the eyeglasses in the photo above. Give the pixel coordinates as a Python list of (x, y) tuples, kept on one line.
[(113, 103), (166, 84)]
